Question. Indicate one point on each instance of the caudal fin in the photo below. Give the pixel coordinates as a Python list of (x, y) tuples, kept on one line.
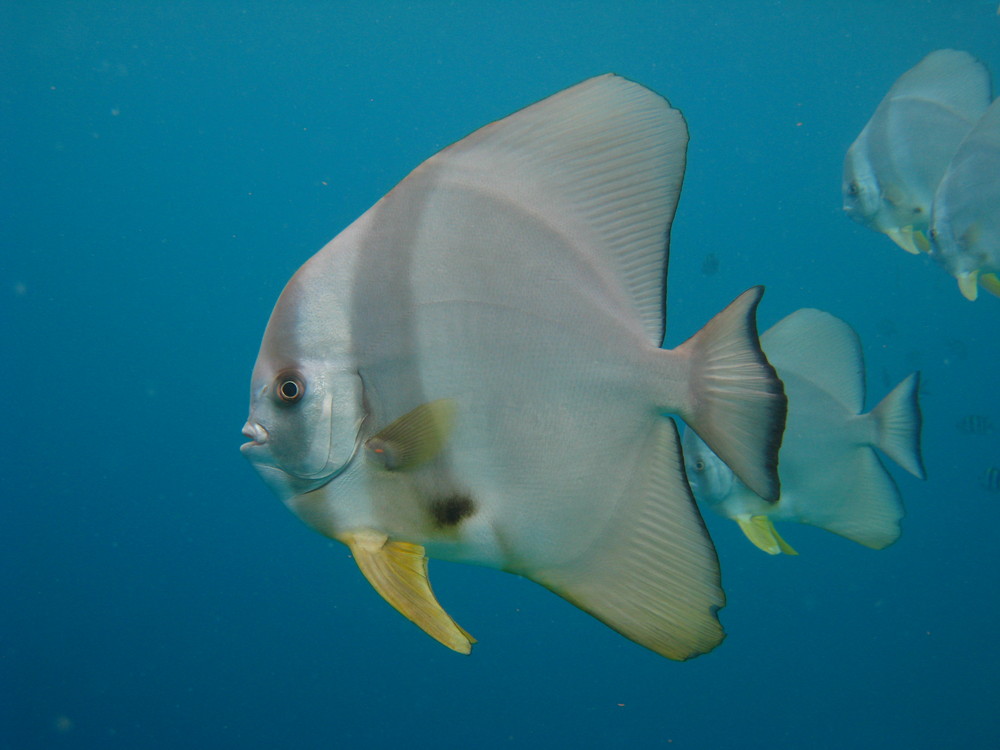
[(898, 420), (737, 403)]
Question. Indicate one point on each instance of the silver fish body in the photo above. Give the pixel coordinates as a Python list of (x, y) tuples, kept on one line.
[(472, 371)]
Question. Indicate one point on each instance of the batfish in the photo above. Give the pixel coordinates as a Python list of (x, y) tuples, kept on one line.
[(831, 475), (965, 229), (472, 371), (893, 167)]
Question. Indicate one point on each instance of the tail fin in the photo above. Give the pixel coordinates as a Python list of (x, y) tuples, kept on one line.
[(737, 403), (898, 422)]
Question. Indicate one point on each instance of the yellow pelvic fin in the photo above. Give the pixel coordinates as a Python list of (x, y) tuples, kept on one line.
[(990, 282), (414, 439), (398, 571), (967, 285), (920, 240), (760, 531), (904, 238)]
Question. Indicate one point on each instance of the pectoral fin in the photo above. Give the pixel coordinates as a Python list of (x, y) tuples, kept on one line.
[(761, 532), (398, 571), (414, 439)]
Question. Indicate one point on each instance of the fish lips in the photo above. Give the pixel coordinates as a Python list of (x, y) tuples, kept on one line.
[(284, 483)]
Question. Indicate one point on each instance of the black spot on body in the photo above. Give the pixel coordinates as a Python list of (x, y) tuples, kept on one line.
[(451, 510)]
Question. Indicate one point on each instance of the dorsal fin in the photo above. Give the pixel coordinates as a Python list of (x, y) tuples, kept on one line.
[(952, 79), (614, 152), (822, 349)]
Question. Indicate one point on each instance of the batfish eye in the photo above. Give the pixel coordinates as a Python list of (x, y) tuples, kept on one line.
[(699, 466), (289, 386), (853, 187)]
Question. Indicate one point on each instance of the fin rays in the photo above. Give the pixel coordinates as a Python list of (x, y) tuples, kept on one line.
[(654, 577)]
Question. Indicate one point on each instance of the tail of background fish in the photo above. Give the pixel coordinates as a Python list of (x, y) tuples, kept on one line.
[(737, 403), (898, 420), (866, 506)]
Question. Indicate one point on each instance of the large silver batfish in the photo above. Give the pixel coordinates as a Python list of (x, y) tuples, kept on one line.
[(472, 371)]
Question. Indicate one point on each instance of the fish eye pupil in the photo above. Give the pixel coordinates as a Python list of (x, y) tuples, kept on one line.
[(289, 387), (699, 465)]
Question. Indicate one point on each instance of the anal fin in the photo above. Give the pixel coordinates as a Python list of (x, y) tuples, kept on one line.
[(398, 571), (760, 530), (653, 574)]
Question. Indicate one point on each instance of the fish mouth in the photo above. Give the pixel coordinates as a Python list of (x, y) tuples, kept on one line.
[(257, 434)]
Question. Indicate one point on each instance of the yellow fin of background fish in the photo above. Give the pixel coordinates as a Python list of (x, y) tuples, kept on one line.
[(903, 236), (760, 530), (415, 438), (968, 285), (990, 282), (398, 571), (654, 570), (920, 240)]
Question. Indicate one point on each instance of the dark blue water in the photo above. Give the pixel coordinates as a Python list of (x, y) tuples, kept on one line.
[(167, 166)]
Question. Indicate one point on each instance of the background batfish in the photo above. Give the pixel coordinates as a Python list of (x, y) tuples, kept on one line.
[(966, 215), (472, 371), (831, 475), (893, 168)]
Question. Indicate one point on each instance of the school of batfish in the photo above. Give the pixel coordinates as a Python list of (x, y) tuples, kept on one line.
[(474, 369), (925, 170)]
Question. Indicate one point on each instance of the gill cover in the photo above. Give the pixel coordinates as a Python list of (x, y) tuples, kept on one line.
[(312, 420)]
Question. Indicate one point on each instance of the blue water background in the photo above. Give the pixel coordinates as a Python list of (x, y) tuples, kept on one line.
[(167, 166)]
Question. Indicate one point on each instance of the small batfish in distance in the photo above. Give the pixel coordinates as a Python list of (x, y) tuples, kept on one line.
[(831, 476), (472, 371), (990, 480), (976, 424), (893, 167), (965, 228)]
